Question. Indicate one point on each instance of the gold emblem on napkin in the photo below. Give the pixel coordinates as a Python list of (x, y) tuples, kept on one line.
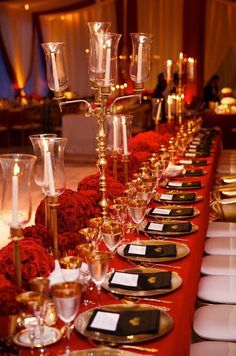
[(179, 211), (152, 280), (189, 183), (158, 249), (135, 321), (174, 227), (182, 196)]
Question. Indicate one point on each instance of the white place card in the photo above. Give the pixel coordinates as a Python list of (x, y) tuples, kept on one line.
[(175, 184), (193, 146), (105, 321), (155, 226), (192, 150), (161, 211), (138, 250), (166, 197), (186, 161), (125, 279), (190, 154)]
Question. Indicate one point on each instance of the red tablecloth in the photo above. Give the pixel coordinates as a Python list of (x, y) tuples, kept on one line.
[(177, 341)]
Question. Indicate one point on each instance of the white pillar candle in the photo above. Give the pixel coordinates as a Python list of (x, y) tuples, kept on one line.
[(108, 67), (15, 195), (100, 54), (168, 69), (181, 56), (169, 103), (50, 174), (45, 171), (55, 73), (139, 62), (125, 145), (115, 134), (191, 68), (159, 104)]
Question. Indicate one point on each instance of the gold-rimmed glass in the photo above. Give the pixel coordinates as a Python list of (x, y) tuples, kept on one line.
[(91, 234), (112, 234), (66, 297), (137, 210), (70, 268)]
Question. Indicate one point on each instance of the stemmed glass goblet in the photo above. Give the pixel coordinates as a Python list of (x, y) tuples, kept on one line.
[(137, 210), (66, 297), (112, 234)]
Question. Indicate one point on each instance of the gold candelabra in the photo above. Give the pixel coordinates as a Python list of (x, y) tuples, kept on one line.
[(16, 235)]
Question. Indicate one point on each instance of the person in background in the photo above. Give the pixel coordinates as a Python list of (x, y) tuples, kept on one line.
[(160, 92), (211, 91)]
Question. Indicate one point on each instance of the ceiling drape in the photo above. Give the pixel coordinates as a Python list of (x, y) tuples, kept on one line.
[(71, 28), (164, 19), (220, 41)]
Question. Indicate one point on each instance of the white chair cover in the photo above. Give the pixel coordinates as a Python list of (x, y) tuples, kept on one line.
[(220, 246), (215, 322), (217, 289), (213, 348), (219, 265), (219, 229)]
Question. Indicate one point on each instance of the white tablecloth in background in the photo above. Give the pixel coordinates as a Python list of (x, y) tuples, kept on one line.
[(81, 133)]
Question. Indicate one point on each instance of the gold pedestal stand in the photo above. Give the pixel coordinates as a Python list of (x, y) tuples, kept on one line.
[(180, 101), (125, 160), (16, 237), (53, 205), (114, 163)]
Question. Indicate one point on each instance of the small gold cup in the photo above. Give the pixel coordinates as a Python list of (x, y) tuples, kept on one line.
[(40, 285)]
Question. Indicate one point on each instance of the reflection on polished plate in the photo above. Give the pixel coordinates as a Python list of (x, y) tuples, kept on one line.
[(102, 352), (176, 282), (82, 321), (172, 223), (164, 211), (182, 250), (51, 336), (184, 185)]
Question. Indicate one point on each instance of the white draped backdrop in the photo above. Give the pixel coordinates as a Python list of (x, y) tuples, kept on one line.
[(162, 18)]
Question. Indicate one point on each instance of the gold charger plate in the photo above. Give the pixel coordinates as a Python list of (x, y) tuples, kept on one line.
[(168, 207), (141, 227), (81, 322), (165, 185), (176, 282), (158, 195), (52, 335), (104, 351), (182, 250)]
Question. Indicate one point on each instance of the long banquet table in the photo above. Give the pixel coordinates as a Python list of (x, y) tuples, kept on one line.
[(177, 341)]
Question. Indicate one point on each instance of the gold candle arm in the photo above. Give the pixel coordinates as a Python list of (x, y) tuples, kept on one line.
[(16, 236), (119, 98), (61, 102)]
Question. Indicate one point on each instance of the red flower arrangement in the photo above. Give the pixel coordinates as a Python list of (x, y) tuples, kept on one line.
[(35, 261), (114, 188), (73, 212), (8, 293), (150, 141)]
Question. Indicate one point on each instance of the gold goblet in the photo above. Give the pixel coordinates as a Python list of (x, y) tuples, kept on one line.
[(70, 268)]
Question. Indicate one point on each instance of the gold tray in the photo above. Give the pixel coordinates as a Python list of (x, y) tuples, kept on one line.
[(52, 336), (176, 282), (81, 322), (169, 217), (165, 185), (182, 250), (141, 227), (158, 195)]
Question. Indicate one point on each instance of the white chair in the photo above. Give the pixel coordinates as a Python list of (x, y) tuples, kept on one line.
[(220, 246), (219, 265), (217, 289), (215, 322), (213, 348), (219, 229)]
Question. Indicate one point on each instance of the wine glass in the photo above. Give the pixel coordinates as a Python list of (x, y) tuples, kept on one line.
[(66, 297), (112, 234), (137, 210), (70, 268), (98, 267), (91, 234)]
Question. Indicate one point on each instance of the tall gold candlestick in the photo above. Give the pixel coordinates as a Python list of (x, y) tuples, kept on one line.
[(125, 161), (53, 203), (114, 162), (16, 237)]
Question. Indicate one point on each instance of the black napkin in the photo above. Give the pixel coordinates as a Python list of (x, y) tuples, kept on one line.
[(194, 172), (184, 197), (198, 153), (174, 212), (202, 162), (195, 184), (147, 281), (131, 322), (154, 251), (172, 227)]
